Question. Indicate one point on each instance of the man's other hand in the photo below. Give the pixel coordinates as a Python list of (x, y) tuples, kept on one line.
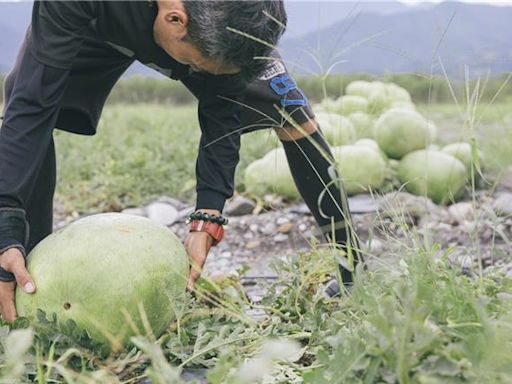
[(13, 261), (198, 245)]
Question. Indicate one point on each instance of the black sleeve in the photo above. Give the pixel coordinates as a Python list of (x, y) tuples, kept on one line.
[(219, 119), (37, 85), (25, 135)]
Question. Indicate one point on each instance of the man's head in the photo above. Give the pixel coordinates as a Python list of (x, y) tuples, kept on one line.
[(220, 37)]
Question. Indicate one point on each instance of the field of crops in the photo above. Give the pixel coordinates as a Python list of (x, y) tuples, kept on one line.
[(411, 318), (148, 150)]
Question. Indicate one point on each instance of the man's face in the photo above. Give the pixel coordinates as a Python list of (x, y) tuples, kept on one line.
[(169, 31)]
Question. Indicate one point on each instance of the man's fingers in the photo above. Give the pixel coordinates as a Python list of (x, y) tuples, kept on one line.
[(198, 245), (195, 272), (7, 307), (13, 261), (23, 279)]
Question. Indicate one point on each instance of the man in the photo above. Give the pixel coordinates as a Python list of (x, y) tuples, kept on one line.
[(74, 53)]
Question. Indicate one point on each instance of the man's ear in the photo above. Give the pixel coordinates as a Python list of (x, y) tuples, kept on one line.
[(178, 21)]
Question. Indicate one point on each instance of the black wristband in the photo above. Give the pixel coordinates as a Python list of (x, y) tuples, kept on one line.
[(198, 215), (13, 234)]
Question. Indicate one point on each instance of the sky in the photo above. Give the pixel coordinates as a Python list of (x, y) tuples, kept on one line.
[(490, 2)]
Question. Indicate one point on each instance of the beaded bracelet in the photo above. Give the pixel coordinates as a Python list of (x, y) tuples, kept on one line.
[(221, 220)]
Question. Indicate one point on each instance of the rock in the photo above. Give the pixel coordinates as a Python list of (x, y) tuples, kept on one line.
[(282, 220), (461, 212), (268, 229), (239, 206), (162, 213), (502, 205), (134, 211), (301, 210), (363, 203), (374, 246), (280, 237), (179, 205), (252, 244), (184, 214), (403, 204), (285, 228)]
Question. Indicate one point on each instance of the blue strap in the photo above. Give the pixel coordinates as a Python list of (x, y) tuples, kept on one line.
[(295, 102), (282, 85)]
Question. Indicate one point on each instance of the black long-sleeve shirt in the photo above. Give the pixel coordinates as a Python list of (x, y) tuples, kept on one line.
[(38, 101), (54, 44)]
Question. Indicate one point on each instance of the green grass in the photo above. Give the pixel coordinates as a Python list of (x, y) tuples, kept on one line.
[(492, 130), (148, 150), (140, 152), (409, 320)]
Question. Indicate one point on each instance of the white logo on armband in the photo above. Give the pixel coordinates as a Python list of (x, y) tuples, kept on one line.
[(273, 69)]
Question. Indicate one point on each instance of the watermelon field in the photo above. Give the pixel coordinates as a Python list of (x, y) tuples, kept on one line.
[(433, 306)]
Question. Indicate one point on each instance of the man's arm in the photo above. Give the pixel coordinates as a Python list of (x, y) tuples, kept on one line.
[(25, 137), (35, 90), (218, 155)]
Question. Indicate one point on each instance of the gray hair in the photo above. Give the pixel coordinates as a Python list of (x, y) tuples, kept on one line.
[(236, 32)]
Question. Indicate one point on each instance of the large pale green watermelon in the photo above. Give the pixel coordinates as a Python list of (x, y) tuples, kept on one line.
[(359, 88), (255, 178), (337, 129), (370, 143), (361, 168), (400, 131), (271, 175), (106, 272), (378, 98), (384, 95), (462, 151), (397, 93), (363, 124), (435, 174), (328, 105), (403, 104), (352, 103)]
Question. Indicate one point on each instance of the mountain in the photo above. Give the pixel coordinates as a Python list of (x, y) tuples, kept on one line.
[(366, 36), (306, 17), (456, 34)]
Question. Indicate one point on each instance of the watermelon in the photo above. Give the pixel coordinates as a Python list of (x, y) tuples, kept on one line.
[(374, 145), (363, 124), (337, 129), (400, 131), (359, 88), (432, 173), (462, 151), (350, 104), (271, 175), (106, 273), (361, 168)]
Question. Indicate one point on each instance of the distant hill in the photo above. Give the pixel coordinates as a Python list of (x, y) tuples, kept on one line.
[(460, 34), (373, 37), (306, 17)]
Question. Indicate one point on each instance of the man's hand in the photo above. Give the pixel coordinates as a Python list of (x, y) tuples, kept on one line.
[(13, 261), (198, 245)]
